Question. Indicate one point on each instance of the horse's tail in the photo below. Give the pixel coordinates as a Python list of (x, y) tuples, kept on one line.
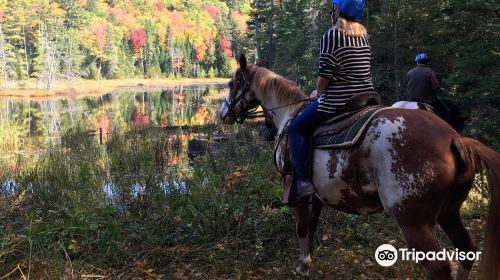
[(476, 157)]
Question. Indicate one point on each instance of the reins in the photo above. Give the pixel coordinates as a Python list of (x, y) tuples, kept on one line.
[(259, 114)]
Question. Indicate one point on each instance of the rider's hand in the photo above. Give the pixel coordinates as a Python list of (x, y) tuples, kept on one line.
[(314, 94)]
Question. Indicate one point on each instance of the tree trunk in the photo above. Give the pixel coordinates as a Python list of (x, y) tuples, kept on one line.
[(270, 34), (383, 7), (26, 54), (257, 31), (53, 59), (3, 58), (396, 66)]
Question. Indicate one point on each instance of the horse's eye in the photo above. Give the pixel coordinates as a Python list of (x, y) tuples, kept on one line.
[(238, 82)]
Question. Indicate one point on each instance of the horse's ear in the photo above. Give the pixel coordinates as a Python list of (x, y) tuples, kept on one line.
[(243, 62), (261, 63)]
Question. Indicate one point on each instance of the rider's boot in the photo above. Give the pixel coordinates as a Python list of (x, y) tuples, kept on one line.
[(305, 189)]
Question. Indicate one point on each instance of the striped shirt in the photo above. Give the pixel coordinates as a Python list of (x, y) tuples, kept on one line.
[(345, 61)]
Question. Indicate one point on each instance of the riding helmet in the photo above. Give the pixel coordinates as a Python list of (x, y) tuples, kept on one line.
[(350, 9), (421, 57)]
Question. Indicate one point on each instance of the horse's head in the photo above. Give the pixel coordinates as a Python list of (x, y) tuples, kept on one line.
[(240, 98)]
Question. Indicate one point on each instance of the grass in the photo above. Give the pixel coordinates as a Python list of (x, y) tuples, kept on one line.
[(83, 88), (228, 223)]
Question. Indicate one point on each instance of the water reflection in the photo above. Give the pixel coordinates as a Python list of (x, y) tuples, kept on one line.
[(28, 128), (8, 187)]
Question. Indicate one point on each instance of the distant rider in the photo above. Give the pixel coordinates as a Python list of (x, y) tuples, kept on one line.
[(344, 70), (422, 82)]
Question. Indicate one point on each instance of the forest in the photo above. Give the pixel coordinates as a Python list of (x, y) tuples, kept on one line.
[(50, 40), (96, 39)]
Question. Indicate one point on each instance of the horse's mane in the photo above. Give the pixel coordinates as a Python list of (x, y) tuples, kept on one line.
[(270, 84)]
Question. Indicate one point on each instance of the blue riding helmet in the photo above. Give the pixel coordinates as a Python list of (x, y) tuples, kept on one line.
[(421, 57), (350, 8)]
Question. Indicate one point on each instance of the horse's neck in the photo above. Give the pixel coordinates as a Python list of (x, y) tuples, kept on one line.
[(268, 87), (279, 112)]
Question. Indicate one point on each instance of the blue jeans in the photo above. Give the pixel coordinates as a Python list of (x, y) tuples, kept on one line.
[(300, 133)]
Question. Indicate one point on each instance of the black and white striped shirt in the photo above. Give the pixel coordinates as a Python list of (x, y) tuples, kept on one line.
[(345, 60)]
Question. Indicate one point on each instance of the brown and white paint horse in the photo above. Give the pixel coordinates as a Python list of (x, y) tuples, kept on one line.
[(410, 164)]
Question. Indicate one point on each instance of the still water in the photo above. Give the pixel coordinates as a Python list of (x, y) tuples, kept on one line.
[(28, 128)]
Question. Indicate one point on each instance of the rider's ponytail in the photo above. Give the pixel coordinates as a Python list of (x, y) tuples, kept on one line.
[(352, 28)]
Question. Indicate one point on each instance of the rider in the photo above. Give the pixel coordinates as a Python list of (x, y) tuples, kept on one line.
[(344, 69), (422, 82)]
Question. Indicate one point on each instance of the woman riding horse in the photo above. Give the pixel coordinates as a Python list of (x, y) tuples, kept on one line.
[(410, 164), (344, 69)]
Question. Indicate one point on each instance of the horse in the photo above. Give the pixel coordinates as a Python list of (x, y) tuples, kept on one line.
[(410, 164)]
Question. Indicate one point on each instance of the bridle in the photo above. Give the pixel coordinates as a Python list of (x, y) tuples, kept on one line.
[(249, 107)]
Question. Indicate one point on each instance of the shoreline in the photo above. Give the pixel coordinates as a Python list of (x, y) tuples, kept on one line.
[(88, 88)]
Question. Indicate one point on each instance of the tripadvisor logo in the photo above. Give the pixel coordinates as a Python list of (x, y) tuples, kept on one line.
[(387, 255)]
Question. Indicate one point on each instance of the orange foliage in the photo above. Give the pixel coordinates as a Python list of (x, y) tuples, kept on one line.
[(159, 7), (201, 49), (240, 20), (162, 33), (103, 123), (202, 112), (124, 18)]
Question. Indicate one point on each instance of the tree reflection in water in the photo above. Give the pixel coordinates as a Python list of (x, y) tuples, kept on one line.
[(30, 129)]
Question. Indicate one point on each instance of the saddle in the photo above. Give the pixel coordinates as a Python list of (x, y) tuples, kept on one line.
[(426, 107), (345, 129)]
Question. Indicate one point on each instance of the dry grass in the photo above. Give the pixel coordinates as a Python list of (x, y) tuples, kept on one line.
[(84, 88)]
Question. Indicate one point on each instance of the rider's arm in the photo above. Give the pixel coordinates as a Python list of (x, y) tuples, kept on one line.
[(321, 84), (327, 66)]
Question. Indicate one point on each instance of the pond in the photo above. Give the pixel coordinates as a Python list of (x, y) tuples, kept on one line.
[(31, 129)]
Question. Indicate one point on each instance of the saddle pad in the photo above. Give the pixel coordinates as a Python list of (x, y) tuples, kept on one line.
[(350, 135)]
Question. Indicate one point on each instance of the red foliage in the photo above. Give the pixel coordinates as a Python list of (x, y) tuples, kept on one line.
[(225, 46), (100, 34), (212, 11), (140, 119), (34, 7), (138, 39), (159, 6), (2, 16)]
